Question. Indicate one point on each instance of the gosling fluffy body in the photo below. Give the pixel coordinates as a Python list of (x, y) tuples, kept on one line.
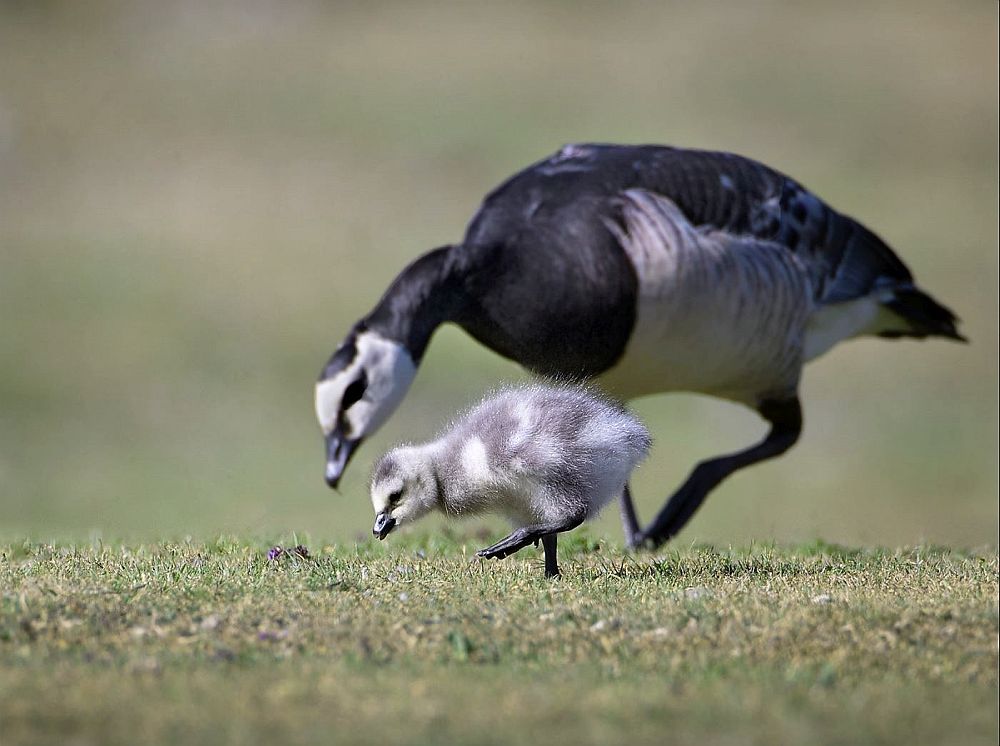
[(547, 457)]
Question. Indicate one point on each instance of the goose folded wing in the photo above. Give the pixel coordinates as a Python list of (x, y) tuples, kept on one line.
[(744, 197)]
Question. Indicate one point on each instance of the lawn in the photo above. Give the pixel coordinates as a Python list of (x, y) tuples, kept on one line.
[(414, 642)]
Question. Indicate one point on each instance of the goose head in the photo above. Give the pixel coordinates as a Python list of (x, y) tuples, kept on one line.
[(403, 488), (361, 385)]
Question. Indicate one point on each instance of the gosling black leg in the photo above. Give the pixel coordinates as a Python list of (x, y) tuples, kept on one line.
[(630, 523), (528, 535), (786, 425), (551, 566)]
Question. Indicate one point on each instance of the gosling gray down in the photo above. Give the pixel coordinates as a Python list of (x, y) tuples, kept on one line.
[(547, 457), (644, 269)]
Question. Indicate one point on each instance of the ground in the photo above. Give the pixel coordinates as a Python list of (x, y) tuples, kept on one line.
[(416, 641)]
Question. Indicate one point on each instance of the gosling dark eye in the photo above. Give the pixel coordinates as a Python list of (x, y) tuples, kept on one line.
[(395, 497), (354, 392)]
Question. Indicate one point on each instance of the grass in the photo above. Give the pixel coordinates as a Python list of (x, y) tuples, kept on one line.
[(198, 199), (411, 642)]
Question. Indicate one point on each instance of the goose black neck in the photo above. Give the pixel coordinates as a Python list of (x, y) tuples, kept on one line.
[(422, 297)]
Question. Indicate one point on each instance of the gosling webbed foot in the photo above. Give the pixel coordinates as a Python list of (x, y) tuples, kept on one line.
[(508, 545), (545, 532)]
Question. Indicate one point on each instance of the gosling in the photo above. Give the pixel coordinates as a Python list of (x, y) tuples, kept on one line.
[(548, 457)]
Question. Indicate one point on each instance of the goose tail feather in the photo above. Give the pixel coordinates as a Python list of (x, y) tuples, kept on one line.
[(924, 316)]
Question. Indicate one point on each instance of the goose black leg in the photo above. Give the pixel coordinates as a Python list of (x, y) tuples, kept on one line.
[(785, 417), (530, 534), (630, 523)]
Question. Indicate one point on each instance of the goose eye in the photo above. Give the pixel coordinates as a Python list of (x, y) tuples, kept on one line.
[(395, 497), (354, 392)]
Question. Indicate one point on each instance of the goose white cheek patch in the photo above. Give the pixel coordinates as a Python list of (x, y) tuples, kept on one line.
[(329, 394), (390, 371)]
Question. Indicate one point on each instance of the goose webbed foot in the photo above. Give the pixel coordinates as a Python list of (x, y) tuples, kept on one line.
[(785, 417), (681, 505)]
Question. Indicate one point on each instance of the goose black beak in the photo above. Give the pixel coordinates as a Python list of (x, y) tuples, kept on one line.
[(338, 452), (384, 523)]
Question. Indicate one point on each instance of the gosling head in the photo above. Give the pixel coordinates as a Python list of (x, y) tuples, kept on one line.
[(361, 385), (404, 488)]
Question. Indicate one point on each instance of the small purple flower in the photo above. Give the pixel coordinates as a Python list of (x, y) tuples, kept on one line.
[(276, 552), (269, 636)]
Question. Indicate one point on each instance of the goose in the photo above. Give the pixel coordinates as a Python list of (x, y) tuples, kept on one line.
[(644, 269), (548, 457)]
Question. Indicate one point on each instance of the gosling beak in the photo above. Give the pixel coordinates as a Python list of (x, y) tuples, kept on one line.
[(338, 452), (384, 523)]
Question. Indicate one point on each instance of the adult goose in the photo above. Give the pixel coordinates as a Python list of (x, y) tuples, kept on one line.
[(645, 269)]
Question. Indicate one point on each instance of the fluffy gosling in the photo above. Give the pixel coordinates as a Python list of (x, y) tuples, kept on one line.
[(547, 457)]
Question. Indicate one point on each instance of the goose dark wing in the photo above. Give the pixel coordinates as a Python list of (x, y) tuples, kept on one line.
[(713, 189), (745, 197)]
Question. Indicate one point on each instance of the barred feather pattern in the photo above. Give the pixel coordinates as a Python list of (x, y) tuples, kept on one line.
[(742, 196), (717, 313)]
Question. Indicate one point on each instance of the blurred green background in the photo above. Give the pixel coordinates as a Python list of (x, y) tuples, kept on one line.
[(197, 200)]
